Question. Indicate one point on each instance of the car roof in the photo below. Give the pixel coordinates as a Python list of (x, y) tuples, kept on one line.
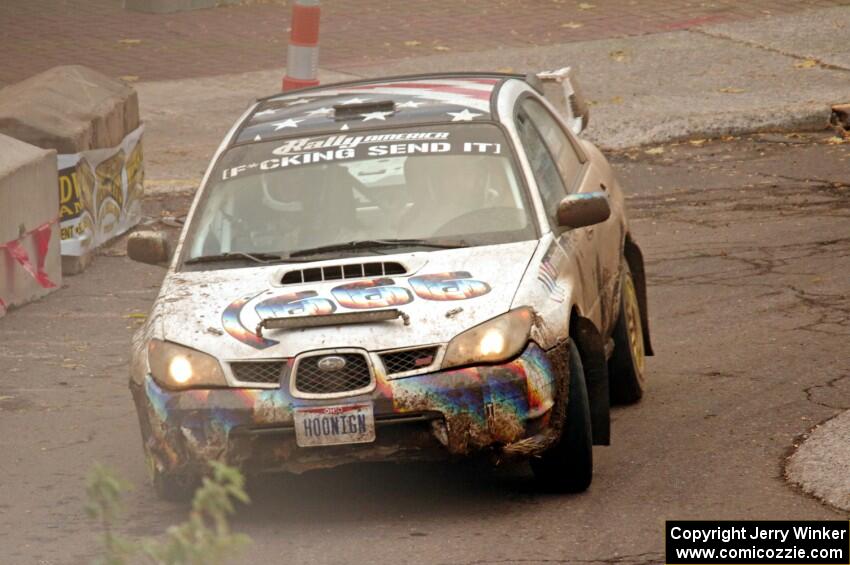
[(376, 103)]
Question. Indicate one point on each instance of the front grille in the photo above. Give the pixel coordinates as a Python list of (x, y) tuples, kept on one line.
[(310, 379), (408, 360), (265, 372), (338, 272)]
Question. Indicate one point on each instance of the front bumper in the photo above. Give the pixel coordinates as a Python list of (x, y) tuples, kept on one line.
[(454, 412)]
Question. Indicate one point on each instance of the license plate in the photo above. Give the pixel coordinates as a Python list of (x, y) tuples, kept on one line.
[(334, 425)]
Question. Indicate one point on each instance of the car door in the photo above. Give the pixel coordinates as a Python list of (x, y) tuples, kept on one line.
[(561, 168)]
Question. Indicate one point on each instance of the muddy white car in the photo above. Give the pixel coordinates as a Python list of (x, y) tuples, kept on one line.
[(397, 269)]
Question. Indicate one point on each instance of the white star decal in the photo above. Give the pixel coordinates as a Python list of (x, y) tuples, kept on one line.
[(290, 123), (376, 116), (410, 104), (320, 112), (300, 101), (354, 101), (265, 112), (465, 116)]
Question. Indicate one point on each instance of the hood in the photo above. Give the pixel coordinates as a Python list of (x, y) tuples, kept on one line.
[(442, 292)]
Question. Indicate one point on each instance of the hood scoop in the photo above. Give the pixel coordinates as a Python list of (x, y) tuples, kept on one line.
[(340, 272)]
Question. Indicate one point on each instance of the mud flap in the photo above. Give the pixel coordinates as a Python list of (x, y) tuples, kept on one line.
[(592, 350)]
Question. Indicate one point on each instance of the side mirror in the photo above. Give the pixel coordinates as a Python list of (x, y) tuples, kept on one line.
[(583, 209), (150, 247)]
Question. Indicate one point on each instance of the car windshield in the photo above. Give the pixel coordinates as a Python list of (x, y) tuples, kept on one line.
[(447, 186)]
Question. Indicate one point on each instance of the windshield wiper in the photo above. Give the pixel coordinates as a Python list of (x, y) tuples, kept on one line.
[(260, 257), (376, 243), (236, 256)]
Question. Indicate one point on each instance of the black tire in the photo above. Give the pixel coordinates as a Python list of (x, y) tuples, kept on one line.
[(627, 365), (175, 487), (568, 465)]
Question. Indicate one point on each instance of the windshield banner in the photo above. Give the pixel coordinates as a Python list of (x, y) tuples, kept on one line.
[(344, 147), (100, 193)]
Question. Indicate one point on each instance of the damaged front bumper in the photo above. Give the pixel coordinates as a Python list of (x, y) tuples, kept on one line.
[(458, 412)]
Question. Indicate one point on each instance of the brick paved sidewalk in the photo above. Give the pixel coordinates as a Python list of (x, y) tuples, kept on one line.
[(38, 34)]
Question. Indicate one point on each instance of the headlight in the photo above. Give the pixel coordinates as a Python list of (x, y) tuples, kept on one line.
[(175, 366), (491, 342)]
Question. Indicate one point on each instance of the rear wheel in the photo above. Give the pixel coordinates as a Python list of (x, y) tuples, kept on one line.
[(627, 364), (568, 465)]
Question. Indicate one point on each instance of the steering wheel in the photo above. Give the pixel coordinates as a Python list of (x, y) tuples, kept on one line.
[(484, 220)]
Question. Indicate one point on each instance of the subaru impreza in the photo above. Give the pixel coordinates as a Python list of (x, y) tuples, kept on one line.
[(399, 269)]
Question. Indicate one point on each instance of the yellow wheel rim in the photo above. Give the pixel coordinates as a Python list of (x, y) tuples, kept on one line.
[(631, 309)]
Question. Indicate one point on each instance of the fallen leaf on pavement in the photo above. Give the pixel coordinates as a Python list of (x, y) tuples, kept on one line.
[(655, 151), (129, 78), (835, 140), (129, 41), (731, 90), (617, 100), (412, 43), (619, 55), (571, 25), (441, 48), (807, 64), (586, 6), (136, 316), (697, 142)]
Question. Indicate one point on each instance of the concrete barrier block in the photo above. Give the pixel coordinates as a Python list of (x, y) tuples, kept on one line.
[(150, 247), (76, 110), (69, 109), (76, 264), (29, 204)]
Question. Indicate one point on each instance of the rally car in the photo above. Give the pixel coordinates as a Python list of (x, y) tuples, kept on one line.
[(407, 268)]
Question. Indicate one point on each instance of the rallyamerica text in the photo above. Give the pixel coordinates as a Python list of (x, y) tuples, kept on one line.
[(726, 534)]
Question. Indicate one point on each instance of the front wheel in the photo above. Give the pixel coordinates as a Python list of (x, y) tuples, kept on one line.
[(568, 465), (627, 364), (174, 487)]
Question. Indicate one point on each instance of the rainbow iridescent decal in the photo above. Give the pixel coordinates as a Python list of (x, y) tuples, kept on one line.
[(457, 285), (373, 293), (540, 380), (233, 325), (303, 303), (481, 406), (359, 295)]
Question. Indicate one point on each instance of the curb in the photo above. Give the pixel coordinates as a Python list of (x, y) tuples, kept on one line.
[(820, 466), (806, 118)]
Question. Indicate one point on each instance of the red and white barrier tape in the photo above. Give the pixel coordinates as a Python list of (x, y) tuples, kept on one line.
[(41, 235)]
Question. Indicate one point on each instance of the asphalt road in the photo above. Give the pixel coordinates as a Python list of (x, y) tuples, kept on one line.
[(748, 252)]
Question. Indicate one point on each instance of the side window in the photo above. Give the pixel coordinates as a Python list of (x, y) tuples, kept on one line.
[(549, 181), (556, 140)]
